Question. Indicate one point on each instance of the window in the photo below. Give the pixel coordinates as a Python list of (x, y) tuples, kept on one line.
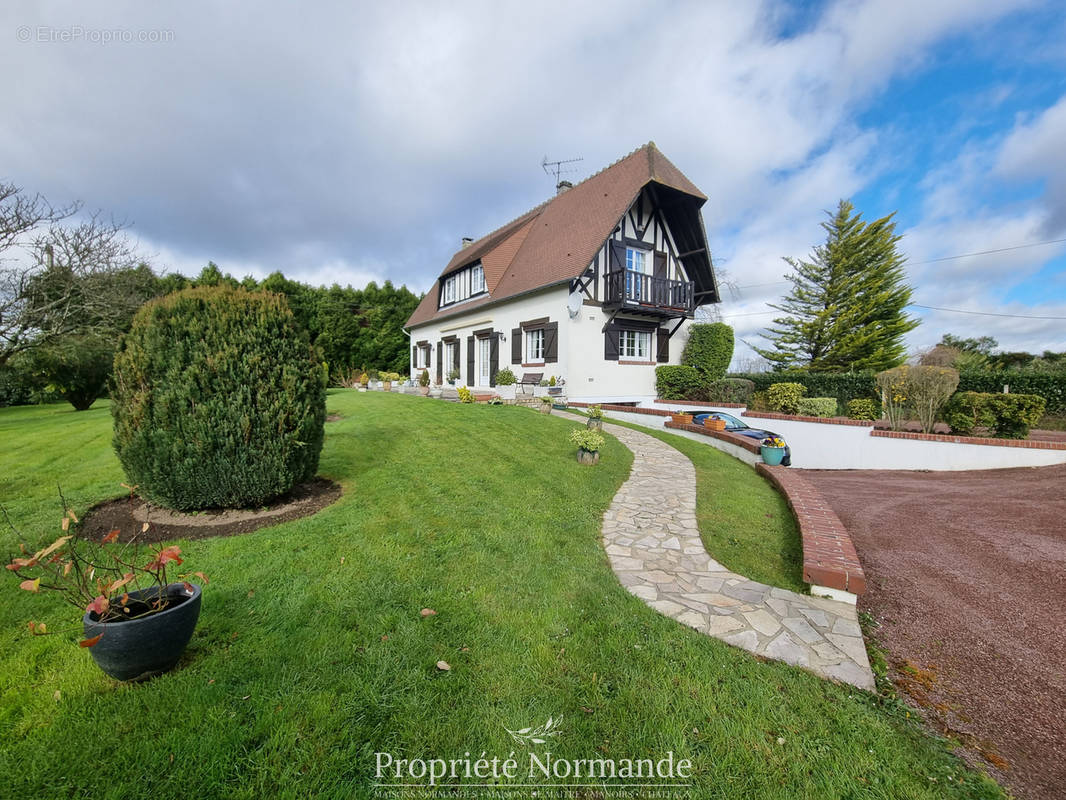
[(535, 345), (636, 268), (463, 285), (422, 356), (636, 259), (635, 345)]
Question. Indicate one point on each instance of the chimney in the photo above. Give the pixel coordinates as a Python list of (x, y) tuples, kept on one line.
[(562, 186), (467, 241)]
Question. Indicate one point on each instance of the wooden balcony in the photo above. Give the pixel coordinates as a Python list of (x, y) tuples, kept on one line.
[(661, 297)]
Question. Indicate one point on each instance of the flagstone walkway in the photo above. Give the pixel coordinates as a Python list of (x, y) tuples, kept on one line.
[(654, 546)]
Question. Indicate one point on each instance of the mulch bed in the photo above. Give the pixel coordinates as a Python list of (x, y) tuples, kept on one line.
[(128, 515), (965, 576)]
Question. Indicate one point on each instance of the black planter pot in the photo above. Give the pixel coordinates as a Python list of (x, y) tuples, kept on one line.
[(141, 648)]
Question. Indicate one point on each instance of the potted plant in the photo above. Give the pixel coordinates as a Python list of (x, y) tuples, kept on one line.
[(364, 379), (714, 423), (772, 450), (588, 445), (545, 405), (681, 417), (453, 376), (595, 420), (505, 383), (386, 381), (136, 620), (555, 386), (423, 382)]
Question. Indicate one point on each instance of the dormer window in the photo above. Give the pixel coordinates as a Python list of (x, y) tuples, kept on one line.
[(463, 285)]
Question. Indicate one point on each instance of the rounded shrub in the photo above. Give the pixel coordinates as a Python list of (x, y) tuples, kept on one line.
[(784, 397), (218, 400), (862, 408)]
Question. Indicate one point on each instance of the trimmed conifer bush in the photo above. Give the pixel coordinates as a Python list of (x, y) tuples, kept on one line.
[(709, 349), (218, 400)]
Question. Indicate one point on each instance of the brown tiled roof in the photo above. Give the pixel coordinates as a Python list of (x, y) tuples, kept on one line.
[(557, 240)]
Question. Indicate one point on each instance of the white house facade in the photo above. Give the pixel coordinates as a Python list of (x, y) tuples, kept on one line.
[(595, 287)]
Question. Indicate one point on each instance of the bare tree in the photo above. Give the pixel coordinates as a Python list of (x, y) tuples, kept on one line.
[(58, 279)]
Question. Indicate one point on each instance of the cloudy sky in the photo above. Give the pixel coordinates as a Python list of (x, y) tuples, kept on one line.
[(353, 141)]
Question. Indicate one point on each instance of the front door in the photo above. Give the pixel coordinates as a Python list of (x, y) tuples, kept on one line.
[(484, 354)]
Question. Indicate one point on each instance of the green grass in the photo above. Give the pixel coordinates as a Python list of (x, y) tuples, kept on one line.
[(744, 522), (303, 667)]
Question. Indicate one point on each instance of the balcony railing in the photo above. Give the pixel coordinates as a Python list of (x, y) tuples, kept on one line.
[(628, 287)]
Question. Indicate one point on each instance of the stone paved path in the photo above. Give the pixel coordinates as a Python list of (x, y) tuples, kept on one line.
[(654, 546)]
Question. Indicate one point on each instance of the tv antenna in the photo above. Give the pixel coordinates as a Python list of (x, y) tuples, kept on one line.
[(555, 168)]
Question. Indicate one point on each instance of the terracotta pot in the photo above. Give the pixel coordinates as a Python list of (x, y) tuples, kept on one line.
[(423, 390), (545, 408)]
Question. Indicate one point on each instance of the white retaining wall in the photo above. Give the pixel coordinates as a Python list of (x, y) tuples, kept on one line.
[(817, 445)]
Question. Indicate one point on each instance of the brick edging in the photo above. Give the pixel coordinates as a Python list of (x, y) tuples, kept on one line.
[(1029, 444), (707, 405), (655, 412), (865, 423), (740, 441), (829, 555)]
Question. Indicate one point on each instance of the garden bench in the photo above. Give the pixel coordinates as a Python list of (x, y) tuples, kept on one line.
[(530, 379)]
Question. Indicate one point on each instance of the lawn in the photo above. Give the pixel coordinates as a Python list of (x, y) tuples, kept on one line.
[(311, 655)]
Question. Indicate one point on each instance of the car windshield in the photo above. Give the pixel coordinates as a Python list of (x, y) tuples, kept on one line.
[(731, 422)]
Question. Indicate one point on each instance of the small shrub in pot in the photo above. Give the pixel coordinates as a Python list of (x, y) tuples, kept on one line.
[(589, 443)]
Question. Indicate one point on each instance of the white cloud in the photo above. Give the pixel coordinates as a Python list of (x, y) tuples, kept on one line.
[(349, 142)]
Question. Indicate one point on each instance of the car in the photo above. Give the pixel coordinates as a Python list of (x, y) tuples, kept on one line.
[(734, 425)]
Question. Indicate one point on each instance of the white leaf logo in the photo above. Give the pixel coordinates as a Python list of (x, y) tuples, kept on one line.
[(530, 736)]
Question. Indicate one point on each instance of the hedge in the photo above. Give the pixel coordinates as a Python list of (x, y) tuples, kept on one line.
[(677, 382), (844, 386), (727, 390), (1051, 387), (1009, 416), (847, 386), (817, 407)]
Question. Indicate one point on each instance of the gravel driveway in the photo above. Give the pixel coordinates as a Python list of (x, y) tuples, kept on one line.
[(967, 576)]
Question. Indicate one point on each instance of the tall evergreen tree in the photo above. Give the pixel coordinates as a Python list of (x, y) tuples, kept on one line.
[(846, 306)]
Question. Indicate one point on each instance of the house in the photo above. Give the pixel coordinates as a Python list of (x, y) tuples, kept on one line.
[(595, 286)]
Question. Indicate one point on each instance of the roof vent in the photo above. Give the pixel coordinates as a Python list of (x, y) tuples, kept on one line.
[(562, 186), (467, 241)]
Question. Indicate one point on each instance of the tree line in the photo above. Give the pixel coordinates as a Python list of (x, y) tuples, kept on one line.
[(70, 285)]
